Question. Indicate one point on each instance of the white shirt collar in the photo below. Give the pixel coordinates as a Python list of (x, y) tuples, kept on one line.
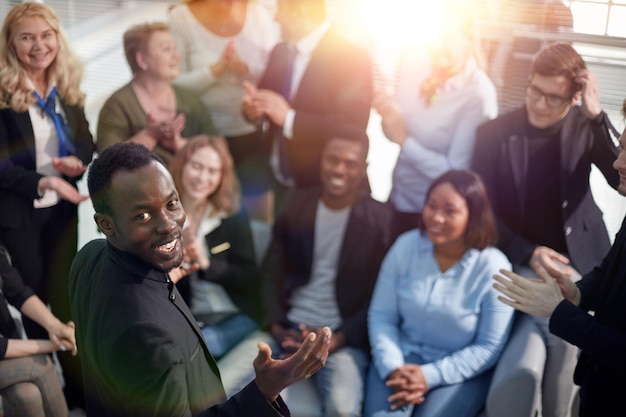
[(308, 43)]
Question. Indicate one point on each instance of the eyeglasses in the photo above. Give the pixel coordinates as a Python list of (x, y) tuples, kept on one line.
[(552, 100)]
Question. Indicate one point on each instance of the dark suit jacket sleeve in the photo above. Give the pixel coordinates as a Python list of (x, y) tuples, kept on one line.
[(85, 146), (604, 151), (602, 290), (350, 90), (604, 343), (13, 287), (150, 372), (15, 177), (249, 403)]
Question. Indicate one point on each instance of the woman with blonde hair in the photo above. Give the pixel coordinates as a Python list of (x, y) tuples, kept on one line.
[(224, 292), (45, 147), (150, 110)]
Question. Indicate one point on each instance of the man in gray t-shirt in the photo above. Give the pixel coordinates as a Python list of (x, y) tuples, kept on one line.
[(327, 246)]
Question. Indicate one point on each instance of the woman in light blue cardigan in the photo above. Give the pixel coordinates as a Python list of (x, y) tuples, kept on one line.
[(436, 327)]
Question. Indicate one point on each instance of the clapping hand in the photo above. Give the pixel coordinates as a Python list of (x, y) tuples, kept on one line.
[(69, 165)]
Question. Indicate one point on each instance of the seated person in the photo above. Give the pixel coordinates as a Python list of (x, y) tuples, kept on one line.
[(224, 292), (321, 267), (150, 110), (436, 327), (29, 384)]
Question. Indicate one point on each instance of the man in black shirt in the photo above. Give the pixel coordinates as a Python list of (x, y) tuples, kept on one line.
[(535, 162), (142, 351)]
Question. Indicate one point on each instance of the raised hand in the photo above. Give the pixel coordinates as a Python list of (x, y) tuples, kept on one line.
[(274, 375), (590, 95)]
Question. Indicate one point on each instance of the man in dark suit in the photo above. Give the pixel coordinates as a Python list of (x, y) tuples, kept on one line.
[(601, 336), (143, 353), (322, 265), (314, 79), (535, 162)]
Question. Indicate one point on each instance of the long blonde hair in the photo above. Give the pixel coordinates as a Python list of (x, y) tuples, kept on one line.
[(66, 70)]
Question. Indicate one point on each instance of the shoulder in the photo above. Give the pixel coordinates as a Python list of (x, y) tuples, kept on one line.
[(373, 210), (178, 13), (187, 99), (120, 96), (408, 243), (493, 258), (507, 122)]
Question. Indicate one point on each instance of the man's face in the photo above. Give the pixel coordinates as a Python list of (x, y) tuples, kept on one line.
[(147, 216), (343, 169), (548, 100), (620, 164), (288, 17)]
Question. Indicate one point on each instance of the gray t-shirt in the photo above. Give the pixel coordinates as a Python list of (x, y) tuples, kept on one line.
[(315, 304)]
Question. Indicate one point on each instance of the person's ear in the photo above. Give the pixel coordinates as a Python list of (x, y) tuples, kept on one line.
[(140, 59), (105, 224)]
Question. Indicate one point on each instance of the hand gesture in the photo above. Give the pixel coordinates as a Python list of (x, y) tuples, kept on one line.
[(234, 63), (392, 118), (69, 165), (590, 96), (271, 104), (170, 133), (408, 385), (537, 297), (229, 62), (65, 190), (63, 338), (249, 108), (272, 376)]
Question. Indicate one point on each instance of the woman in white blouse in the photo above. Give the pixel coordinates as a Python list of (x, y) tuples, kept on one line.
[(221, 44)]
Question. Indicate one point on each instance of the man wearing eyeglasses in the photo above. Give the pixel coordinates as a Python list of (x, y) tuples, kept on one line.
[(535, 162)]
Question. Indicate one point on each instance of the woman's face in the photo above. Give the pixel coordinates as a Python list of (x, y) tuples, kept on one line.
[(35, 43), (161, 59), (202, 174), (446, 216)]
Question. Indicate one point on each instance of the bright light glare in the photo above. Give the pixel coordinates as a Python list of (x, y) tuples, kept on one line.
[(397, 26)]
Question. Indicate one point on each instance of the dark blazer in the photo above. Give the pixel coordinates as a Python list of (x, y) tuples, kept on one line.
[(500, 157), (233, 263), (289, 259), (336, 87), (602, 336), (141, 349), (18, 176)]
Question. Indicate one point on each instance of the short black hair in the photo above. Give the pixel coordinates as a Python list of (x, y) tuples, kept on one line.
[(350, 132), (127, 156)]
